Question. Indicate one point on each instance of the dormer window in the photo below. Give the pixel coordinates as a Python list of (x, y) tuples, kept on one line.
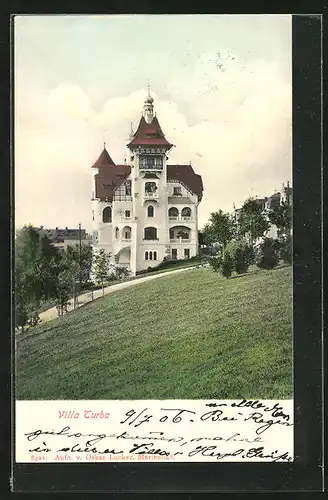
[(177, 191)]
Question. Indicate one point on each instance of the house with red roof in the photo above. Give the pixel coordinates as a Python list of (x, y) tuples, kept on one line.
[(145, 210)]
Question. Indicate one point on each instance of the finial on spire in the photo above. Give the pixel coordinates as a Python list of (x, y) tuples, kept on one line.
[(148, 106), (104, 145)]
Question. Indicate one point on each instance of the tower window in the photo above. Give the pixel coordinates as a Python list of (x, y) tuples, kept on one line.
[(150, 255), (150, 187), (127, 214), (150, 211), (155, 255), (151, 162), (107, 214), (146, 255), (128, 189)]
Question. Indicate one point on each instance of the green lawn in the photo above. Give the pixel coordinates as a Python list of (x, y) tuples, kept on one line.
[(192, 335)]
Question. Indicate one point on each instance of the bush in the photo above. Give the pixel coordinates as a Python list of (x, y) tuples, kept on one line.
[(226, 265), (242, 254), (267, 254), (240, 261)]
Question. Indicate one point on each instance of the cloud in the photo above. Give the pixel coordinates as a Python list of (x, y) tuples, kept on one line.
[(232, 122)]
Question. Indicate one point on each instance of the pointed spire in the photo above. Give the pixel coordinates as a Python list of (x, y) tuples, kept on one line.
[(148, 107)]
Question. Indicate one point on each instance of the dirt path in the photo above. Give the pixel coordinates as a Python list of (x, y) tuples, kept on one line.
[(51, 313)]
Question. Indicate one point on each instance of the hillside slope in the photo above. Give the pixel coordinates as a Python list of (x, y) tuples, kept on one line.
[(192, 335)]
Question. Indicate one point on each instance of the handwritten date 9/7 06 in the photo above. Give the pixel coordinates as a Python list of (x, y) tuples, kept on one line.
[(266, 418)]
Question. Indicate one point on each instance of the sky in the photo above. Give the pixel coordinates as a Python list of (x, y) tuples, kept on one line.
[(222, 89)]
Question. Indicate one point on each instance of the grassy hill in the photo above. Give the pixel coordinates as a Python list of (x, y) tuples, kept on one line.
[(190, 335)]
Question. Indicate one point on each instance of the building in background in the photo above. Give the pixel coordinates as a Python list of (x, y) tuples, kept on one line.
[(145, 210), (285, 195), (62, 238)]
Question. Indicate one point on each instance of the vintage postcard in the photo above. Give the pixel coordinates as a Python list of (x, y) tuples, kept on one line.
[(153, 239)]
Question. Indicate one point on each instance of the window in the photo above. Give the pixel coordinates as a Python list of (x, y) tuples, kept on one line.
[(127, 233), (174, 253), (155, 255), (186, 212), (150, 211), (187, 253), (146, 255), (153, 162), (150, 187), (117, 233), (173, 213), (150, 233), (107, 214), (150, 255), (171, 234), (127, 214), (93, 215), (177, 191), (128, 189)]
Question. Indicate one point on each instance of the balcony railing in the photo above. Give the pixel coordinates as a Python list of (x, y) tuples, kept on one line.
[(150, 195), (126, 240), (179, 218), (180, 240)]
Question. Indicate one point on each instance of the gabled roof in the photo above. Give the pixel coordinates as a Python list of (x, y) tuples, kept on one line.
[(186, 175), (149, 134), (104, 160)]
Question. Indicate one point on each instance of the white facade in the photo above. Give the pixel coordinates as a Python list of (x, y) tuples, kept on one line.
[(149, 217)]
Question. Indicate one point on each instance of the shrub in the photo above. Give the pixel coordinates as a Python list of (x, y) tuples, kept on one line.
[(267, 254), (240, 261), (226, 265), (242, 254)]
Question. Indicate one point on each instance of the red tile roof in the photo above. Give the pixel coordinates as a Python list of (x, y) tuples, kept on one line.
[(104, 160), (149, 134), (186, 175), (109, 179), (112, 177)]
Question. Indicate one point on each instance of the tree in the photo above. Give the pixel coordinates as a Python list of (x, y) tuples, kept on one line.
[(281, 217), (82, 256), (220, 228), (252, 222), (36, 261), (101, 267)]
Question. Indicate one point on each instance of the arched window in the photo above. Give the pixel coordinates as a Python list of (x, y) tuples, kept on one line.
[(150, 255), (146, 255), (107, 214), (186, 212), (117, 233), (150, 187), (150, 211), (126, 233), (155, 255), (150, 233), (173, 213)]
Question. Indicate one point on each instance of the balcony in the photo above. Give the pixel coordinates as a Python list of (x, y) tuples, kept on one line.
[(173, 218), (180, 240), (148, 195)]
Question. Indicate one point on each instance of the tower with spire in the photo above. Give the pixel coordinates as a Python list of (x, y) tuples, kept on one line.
[(145, 210)]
